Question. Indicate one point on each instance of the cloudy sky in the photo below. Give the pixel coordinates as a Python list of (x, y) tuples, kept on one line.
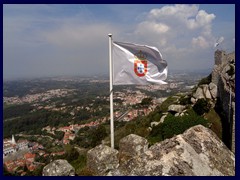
[(50, 40)]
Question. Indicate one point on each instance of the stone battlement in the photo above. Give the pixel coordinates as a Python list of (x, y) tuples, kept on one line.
[(196, 152)]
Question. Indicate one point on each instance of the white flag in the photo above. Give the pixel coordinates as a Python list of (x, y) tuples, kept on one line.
[(137, 64)]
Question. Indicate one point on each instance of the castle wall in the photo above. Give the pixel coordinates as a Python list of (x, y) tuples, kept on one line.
[(220, 57), (219, 78)]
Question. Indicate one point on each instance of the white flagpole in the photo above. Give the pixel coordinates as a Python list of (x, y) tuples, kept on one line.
[(111, 90)]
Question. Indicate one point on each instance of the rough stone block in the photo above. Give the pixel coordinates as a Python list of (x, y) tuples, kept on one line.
[(58, 167), (102, 159), (132, 145)]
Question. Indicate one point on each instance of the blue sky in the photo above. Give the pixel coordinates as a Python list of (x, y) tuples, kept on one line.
[(50, 40)]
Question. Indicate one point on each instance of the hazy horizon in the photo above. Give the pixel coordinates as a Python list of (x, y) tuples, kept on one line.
[(71, 40), (104, 75)]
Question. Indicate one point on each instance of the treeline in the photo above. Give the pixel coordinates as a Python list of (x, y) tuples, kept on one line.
[(16, 110), (33, 123), (23, 87), (89, 137)]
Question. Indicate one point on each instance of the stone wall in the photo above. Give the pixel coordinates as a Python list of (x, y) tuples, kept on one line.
[(196, 152), (224, 82), (233, 128), (220, 57)]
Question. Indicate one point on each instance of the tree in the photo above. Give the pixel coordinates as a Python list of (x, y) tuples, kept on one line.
[(201, 106), (71, 153), (146, 101), (206, 80), (59, 135)]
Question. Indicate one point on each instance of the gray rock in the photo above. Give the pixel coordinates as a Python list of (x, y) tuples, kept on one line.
[(193, 100), (199, 93), (102, 159), (196, 152), (176, 115), (58, 167), (213, 90), (154, 123), (176, 108), (132, 145), (206, 91), (163, 118)]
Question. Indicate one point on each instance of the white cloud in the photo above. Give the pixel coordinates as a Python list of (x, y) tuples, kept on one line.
[(183, 34), (202, 19), (177, 11), (181, 25), (59, 38), (201, 42), (154, 27)]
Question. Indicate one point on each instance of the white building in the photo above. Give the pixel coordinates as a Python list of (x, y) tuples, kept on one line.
[(10, 146)]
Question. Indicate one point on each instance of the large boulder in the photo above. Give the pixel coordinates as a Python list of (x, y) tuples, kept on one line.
[(102, 159), (206, 91), (199, 94), (196, 152), (58, 167), (213, 90), (131, 146), (202, 92)]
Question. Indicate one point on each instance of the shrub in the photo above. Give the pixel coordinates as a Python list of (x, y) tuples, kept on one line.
[(185, 100), (175, 125), (231, 71), (201, 106), (146, 101), (206, 80), (170, 100)]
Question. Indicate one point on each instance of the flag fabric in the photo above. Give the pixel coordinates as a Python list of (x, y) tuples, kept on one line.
[(137, 64)]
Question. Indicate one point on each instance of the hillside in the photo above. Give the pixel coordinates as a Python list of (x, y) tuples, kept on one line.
[(211, 104), (207, 104)]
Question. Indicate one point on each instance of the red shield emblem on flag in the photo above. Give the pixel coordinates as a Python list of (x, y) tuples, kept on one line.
[(140, 67)]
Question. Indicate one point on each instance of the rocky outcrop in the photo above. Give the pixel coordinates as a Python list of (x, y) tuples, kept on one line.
[(58, 167), (199, 93), (205, 91), (196, 152), (130, 147), (176, 108), (213, 90), (102, 159)]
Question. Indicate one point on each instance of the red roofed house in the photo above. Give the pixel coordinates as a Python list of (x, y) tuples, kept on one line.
[(29, 157)]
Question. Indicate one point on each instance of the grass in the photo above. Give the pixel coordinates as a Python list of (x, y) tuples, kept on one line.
[(215, 120)]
